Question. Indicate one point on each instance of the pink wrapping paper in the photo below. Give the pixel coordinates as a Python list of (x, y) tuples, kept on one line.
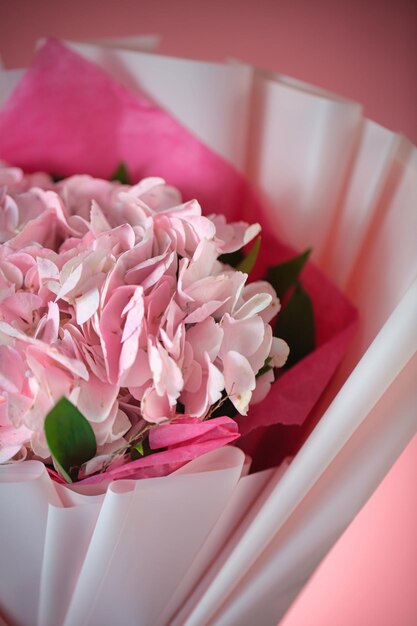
[(194, 441), (67, 116)]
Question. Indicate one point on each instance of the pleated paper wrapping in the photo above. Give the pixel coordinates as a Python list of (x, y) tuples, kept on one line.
[(331, 180)]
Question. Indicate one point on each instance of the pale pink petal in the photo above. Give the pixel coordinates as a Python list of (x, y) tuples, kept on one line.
[(134, 314), (167, 375), (257, 359), (23, 304), (201, 264), (205, 337), (279, 352), (49, 383), (97, 464), (53, 316), (98, 222), (243, 336), (198, 402), (254, 305), (263, 386), (128, 353), (133, 211), (86, 305), (41, 229), (12, 273), (193, 377), (161, 308), (10, 176), (155, 408), (239, 380), (73, 365), (156, 194), (8, 452), (253, 289), (121, 425), (96, 398), (118, 240), (174, 346), (139, 372), (17, 407), (236, 283), (215, 383), (210, 288), (232, 237), (46, 269), (133, 311), (39, 444), (12, 370), (74, 277), (112, 428), (9, 215), (111, 331), (204, 311)]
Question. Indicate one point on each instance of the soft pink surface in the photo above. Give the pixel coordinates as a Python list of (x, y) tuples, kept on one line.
[(363, 50)]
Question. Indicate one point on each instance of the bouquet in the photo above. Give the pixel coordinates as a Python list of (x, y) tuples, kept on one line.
[(133, 345)]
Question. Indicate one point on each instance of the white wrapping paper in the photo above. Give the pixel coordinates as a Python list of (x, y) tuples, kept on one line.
[(219, 547)]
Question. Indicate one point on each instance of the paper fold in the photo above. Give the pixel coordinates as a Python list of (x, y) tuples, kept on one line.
[(355, 401)]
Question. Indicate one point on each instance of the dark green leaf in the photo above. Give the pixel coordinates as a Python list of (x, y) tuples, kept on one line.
[(70, 438), (248, 263), (285, 275), (139, 448), (295, 324), (121, 174), (137, 451), (134, 454), (265, 367), (232, 258)]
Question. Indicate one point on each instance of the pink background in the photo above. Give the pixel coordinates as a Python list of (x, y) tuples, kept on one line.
[(367, 51)]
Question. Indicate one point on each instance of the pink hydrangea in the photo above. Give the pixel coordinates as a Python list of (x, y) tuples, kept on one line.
[(114, 297)]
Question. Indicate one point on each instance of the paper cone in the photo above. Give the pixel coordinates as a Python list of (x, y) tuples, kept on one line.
[(329, 179)]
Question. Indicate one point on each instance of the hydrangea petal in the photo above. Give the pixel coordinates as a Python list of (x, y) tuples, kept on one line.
[(239, 380)]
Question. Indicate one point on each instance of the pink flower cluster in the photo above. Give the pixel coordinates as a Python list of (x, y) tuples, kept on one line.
[(114, 297)]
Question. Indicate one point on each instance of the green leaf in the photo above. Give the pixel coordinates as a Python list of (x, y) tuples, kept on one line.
[(248, 263), (295, 324), (121, 174), (141, 449), (135, 454), (285, 275), (70, 438), (232, 258), (265, 367)]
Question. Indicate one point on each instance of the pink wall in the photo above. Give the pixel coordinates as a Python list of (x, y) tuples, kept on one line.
[(365, 50)]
